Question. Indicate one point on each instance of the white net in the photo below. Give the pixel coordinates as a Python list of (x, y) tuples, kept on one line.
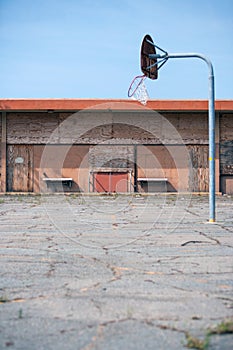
[(138, 90)]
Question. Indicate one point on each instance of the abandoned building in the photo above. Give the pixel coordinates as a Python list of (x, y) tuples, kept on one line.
[(77, 145)]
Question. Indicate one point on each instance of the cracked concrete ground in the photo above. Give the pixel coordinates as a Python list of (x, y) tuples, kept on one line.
[(114, 272)]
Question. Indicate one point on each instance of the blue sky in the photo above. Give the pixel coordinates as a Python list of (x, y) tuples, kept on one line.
[(90, 49)]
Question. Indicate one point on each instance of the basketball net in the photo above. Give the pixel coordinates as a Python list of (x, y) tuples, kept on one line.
[(138, 91)]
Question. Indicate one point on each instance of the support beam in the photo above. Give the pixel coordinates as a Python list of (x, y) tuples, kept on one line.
[(3, 154), (135, 169), (217, 152)]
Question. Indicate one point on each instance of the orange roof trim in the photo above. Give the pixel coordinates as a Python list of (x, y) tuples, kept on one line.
[(120, 104)]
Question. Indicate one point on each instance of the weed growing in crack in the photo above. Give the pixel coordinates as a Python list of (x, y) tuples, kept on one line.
[(225, 327), (195, 343), (20, 315), (129, 312)]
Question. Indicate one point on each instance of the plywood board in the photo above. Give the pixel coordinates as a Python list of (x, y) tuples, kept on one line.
[(199, 175), (19, 168), (226, 157)]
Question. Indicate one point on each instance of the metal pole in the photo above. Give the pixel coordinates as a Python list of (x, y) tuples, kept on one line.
[(135, 170), (211, 124)]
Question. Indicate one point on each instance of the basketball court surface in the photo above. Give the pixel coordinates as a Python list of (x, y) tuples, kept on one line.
[(114, 272)]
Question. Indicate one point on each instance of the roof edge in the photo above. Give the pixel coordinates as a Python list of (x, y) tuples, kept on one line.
[(74, 104)]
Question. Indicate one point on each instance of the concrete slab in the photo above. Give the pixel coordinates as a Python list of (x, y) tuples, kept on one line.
[(114, 272)]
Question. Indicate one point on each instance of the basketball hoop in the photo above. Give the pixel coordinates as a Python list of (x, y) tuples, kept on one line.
[(137, 89)]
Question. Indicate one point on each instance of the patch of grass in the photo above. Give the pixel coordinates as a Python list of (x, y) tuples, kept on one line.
[(37, 199), (75, 196), (129, 312), (72, 196), (1, 201), (225, 327), (195, 343), (20, 315)]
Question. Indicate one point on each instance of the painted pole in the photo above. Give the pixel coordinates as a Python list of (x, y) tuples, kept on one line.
[(211, 123)]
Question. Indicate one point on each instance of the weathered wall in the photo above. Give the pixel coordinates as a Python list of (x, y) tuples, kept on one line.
[(61, 161), (32, 128), (226, 152), (0, 142), (176, 146), (226, 144), (115, 156), (100, 126)]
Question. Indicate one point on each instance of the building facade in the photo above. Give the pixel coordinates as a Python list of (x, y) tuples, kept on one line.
[(76, 145)]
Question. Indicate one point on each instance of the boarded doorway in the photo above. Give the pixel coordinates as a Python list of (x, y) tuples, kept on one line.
[(19, 168), (111, 181)]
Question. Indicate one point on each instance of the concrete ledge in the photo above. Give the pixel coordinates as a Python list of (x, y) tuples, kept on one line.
[(109, 194)]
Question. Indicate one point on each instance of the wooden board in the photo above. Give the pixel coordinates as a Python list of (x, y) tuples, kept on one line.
[(226, 157), (113, 182), (199, 176), (3, 151), (226, 127), (19, 168)]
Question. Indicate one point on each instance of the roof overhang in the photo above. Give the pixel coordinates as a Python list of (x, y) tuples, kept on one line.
[(71, 104)]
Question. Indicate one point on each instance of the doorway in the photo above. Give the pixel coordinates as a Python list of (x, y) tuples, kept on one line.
[(20, 168)]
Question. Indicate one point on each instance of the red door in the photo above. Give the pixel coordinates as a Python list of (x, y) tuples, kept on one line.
[(114, 182)]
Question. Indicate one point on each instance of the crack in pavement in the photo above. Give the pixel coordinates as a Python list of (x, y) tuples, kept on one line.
[(215, 239), (211, 238), (190, 212), (149, 322), (194, 242)]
